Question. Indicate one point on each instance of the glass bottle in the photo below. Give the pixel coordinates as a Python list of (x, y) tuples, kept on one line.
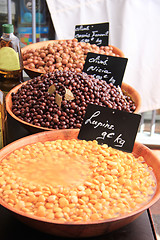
[(3, 121), (11, 62)]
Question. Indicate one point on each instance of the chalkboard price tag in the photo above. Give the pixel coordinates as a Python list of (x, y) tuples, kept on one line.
[(93, 33), (109, 126), (109, 68)]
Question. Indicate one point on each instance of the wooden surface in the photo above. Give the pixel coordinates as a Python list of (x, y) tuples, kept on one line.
[(134, 95), (36, 72), (155, 208), (10, 227), (81, 229), (35, 129)]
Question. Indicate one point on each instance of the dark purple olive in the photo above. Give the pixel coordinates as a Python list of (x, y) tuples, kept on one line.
[(34, 104)]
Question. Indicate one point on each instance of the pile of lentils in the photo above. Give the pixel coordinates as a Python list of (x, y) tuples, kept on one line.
[(35, 105), (62, 55)]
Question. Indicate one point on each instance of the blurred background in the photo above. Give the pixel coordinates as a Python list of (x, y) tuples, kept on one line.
[(134, 28), (21, 16)]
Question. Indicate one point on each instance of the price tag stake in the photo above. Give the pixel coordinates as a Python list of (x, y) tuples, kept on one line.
[(109, 68), (109, 126), (93, 33)]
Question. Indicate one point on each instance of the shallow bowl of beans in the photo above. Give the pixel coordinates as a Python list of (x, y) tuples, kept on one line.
[(73, 188), (54, 55), (58, 100)]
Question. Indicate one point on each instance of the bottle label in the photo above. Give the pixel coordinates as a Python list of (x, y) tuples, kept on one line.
[(9, 59)]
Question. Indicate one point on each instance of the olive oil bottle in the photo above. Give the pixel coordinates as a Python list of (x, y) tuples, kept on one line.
[(11, 62), (3, 121)]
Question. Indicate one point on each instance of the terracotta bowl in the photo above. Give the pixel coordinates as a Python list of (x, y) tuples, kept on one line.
[(35, 129), (95, 228), (35, 72)]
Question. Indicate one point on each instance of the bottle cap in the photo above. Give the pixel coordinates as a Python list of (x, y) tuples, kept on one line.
[(7, 28)]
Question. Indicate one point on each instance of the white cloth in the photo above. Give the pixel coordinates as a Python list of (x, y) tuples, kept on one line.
[(134, 28)]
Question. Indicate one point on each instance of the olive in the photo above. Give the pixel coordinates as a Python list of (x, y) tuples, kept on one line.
[(34, 104)]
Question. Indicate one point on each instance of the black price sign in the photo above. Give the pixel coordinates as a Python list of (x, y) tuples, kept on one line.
[(109, 68), (115, 128), (93, 33)]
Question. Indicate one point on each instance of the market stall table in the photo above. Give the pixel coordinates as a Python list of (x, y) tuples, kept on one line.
[(11, 228)]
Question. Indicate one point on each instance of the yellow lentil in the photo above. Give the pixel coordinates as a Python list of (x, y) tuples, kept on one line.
[(75, 180)]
